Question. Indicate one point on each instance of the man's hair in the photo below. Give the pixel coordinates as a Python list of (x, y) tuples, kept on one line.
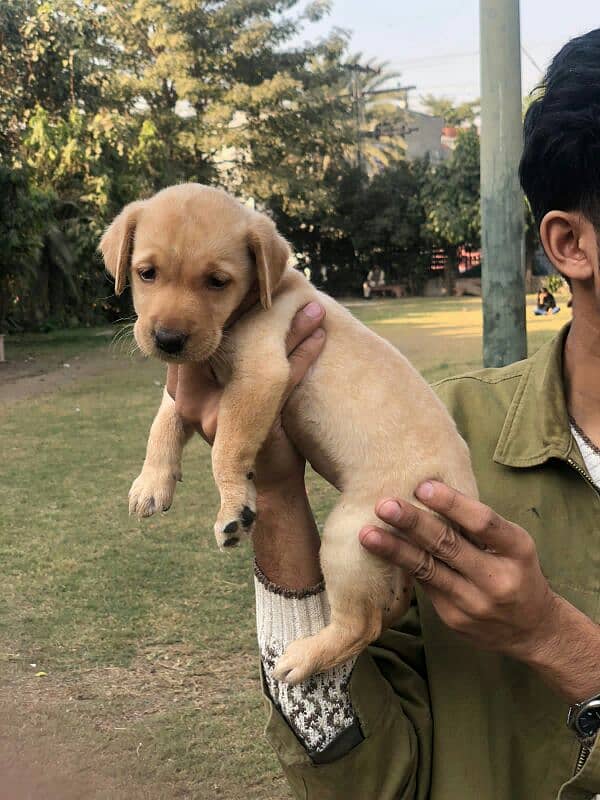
[(560, 166)]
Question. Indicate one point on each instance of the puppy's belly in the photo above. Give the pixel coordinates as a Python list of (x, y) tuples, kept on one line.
[(306, 434)]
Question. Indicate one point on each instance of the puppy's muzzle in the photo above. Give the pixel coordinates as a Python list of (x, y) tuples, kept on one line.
[(169, 341)]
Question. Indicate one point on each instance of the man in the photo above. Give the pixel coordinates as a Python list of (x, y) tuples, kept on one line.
[(375, 280), (467, 698), (546, 304)]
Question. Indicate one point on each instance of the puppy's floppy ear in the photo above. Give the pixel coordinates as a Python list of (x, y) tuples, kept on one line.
[(117, 244), (271, 253)]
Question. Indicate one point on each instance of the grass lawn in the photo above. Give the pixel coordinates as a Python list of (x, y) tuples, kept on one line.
[(32, 353), (144, 632)]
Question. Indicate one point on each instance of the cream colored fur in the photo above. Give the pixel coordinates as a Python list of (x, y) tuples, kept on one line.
[(363, 416)]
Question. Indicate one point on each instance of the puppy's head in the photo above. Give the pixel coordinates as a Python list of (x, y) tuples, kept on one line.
[(193, 254)]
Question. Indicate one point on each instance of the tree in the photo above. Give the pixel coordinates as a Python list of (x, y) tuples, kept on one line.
[(455, 115), (386, 224), (106, 102), (450, 197), (23, 218)]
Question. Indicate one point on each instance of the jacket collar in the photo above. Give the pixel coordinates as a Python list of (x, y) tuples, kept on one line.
[(536, 427)]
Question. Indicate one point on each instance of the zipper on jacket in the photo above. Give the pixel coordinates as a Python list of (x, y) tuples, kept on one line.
[(583, 474), (584, 751), (583, 756)]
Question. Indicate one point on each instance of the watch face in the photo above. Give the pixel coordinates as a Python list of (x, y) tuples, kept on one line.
[(588, 721)]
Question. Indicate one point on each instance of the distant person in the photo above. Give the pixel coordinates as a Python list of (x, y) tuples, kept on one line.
[(546, 304), (375, 279)]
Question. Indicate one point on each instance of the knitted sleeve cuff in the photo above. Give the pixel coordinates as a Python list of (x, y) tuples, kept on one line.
[(319, 710)]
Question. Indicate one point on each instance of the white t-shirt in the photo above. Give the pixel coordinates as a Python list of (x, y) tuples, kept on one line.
[(590, 454)]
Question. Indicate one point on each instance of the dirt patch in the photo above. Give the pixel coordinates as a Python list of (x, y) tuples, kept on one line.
[(90, 736), (17, 383)]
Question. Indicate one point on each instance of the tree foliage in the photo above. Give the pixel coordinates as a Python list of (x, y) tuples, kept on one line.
[(105, 102), (450, 194), (452, 114)]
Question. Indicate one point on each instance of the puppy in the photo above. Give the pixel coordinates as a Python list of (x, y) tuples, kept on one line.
[(197, 259)]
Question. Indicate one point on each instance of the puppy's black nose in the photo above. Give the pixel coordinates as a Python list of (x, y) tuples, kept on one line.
[(171, 342)]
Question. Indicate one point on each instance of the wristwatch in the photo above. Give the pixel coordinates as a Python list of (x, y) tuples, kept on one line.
[(584, 720)]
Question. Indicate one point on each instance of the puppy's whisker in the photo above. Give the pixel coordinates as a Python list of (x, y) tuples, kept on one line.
[(220, 359), (123, 330), (125, 319), (122, 337)]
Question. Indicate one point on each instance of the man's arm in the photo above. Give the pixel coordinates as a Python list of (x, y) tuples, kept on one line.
[(391, 756), (488, 586), (383, 746)]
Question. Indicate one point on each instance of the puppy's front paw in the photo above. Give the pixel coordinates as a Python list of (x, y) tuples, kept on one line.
[(153, 491), (237, 515)]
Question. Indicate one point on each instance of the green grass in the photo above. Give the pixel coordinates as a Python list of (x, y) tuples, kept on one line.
[(58, 346), (146, 630)]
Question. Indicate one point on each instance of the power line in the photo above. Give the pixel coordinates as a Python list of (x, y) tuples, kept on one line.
[(531, 59), (443, 57)]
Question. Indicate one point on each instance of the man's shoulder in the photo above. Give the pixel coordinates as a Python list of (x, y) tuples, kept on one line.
[(480, 400), (494, 380)]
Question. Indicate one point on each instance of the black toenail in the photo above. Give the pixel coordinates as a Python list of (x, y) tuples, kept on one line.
[(248, 516), (231, 542), (231, 527), (166, 508), (250, 476)]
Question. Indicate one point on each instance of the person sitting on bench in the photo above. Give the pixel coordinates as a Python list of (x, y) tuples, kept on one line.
[(375, 280)]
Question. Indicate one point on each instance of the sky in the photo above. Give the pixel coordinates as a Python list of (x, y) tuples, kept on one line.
[(434, 44)]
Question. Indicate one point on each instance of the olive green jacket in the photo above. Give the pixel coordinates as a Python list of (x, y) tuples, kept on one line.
[(440, 719)]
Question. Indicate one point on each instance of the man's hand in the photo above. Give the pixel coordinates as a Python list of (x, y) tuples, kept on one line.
[(483, 577), (286, 540), (197, 395)]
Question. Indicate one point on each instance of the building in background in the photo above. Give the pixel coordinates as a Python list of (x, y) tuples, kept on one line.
[(428, 136)]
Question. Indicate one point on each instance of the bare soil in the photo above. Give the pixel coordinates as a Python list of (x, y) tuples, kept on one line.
[(23, 380)]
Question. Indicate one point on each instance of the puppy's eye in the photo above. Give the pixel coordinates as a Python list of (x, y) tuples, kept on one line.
[(147, 274), (217, 281)]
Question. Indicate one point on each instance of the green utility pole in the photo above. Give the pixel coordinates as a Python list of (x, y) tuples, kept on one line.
[(502, 216), (359, 100)]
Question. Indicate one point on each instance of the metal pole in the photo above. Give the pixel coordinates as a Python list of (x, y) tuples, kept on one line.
[(503, 274)]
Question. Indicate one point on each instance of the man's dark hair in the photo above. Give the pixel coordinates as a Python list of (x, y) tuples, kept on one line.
[(560, 167)]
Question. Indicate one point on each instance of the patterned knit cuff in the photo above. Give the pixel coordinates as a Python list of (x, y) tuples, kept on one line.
[(319, 710)]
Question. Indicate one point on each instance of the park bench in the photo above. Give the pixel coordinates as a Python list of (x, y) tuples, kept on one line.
[(467, 286), (389, 289)]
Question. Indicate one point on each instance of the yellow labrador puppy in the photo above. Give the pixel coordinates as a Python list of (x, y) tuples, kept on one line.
[(366, 419)]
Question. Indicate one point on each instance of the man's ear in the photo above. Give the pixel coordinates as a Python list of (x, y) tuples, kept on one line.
[(570, 242), (271, 253), (116, 245)]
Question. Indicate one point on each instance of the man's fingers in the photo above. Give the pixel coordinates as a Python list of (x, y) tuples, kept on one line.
[(305, 323), (430, 533), (304, 356), (197, 398), (197, 379), (479, 521), (418, 562)]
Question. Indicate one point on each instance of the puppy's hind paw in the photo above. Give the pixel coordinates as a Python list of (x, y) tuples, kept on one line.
[(295, 665), (230, 527), (152, 491)]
